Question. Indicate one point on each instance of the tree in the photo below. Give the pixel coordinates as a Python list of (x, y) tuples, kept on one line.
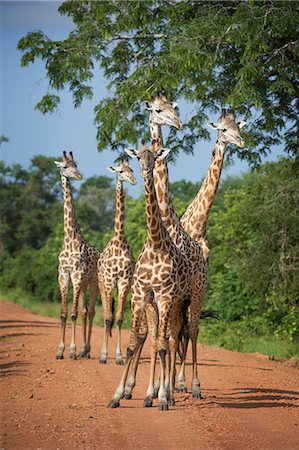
[(95, 209), (3, 139), (30, 203), (213, 54), (254, 238)]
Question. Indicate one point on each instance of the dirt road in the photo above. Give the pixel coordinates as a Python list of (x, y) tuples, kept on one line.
[(249, 402)]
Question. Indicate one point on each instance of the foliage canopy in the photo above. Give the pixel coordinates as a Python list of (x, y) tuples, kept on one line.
[(211, 53)]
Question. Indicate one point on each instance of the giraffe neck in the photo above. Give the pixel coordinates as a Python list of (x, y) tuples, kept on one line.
[(161, 179), (196, 216), (155, 234), (119, 225), (72, 232)]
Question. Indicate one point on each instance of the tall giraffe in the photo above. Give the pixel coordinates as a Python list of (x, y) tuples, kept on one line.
[(195, 218), (162, 112), (116, 264), (78, 264), (161, 277)]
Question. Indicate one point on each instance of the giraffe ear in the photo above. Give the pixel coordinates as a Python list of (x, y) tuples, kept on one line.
[(148, 105), (111, 169), (215, 126), (59, 164), (241, 124), (174, 105), (162, 153), (132, 152)]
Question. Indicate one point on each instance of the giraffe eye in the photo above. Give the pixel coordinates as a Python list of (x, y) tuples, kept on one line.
[(224, 130), (158, 111)]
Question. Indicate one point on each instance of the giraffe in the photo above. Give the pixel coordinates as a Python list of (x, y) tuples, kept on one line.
[(78, 264), (161, 279), (195, 218), (162, 112), (116, 265)]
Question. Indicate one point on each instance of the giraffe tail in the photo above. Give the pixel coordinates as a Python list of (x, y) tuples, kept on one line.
[(209, 313), (113, 311), (184, 331)]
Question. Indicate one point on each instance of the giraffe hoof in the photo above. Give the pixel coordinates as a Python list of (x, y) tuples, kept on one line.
[(119, 362), (163, 407), (84, 355), (113, 404), (182, 389), (127, 396), (148, 402), (102, 361), (197, 395), (73, 356), (171, 402), (59, 356)]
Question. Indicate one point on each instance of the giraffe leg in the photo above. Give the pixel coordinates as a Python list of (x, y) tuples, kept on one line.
[(176, 321), (131, 379), (173, 345), (131, 352), (195, 380), (94, 291), (152, 321), (74, 315), (130, 384), (123, 290), (63, 285), (167, 367), (182, 386), (107, 302), (83, 312), (164, 309)]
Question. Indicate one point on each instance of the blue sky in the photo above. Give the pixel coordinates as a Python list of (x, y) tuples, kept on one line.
[(30, 133)]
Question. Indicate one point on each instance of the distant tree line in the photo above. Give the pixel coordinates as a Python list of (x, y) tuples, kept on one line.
[(253, 234)]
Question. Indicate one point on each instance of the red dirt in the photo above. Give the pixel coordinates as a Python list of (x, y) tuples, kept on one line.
[(249, 402)]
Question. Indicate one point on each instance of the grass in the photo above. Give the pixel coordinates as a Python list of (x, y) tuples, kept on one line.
[(233, 336)]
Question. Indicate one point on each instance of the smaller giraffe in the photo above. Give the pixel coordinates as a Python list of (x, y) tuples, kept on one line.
[(78, 264), (116, 265), (161, 280)]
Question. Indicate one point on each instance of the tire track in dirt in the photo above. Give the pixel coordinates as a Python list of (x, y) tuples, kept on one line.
[(249, 402)]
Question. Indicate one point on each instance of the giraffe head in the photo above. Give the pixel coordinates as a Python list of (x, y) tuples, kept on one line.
[(147, 157), (68, 167), (124, 172), (162, 112), (229, 129)]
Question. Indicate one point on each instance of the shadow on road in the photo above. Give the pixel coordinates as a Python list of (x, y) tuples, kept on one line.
[(13, 368), (250, 398)]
